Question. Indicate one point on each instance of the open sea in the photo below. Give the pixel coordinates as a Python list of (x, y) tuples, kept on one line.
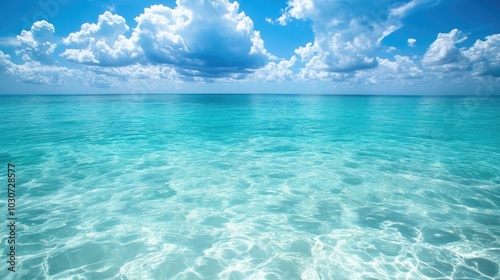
[(252, 186)]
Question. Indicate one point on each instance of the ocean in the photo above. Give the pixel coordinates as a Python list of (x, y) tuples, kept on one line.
[(251, 186)]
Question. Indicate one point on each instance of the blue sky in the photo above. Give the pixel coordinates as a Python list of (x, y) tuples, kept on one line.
[(251, 46)]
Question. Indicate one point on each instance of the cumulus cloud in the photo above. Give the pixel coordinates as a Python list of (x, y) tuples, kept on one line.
[(411, 42), (276, 72), (401, 68), (347, 34), (199, 38), (484, 56), (299, 9), (37, 43), (444, 59), (4, 61), (102, 43), (443, 52), (207, 38), (37, 49)]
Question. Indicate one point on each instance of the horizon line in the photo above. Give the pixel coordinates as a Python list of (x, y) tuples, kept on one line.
[(262, 93)]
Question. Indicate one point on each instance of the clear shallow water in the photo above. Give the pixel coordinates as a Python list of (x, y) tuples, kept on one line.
[(254, 186)]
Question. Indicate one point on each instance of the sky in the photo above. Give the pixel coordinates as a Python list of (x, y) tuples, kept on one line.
[(444, 47)]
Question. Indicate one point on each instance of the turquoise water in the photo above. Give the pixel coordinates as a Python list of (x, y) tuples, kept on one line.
[(253, 186)]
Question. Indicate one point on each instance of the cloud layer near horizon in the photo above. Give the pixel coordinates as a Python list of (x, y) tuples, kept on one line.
[(214, 41)]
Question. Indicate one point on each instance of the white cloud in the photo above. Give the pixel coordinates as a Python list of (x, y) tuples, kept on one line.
[(9, 42), (103, 43), (4, 56), (276, 72), (138, 72), (485, 56), (391, 49), (37, 50), (4, 61), (33, 72), (212, 41), (108, 28), (401, 68), (406, 8), (347, 34), (299, 9), (126, 78), (399, 71), (443, 53), (411, 42), (37, 43), (208, 38)]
